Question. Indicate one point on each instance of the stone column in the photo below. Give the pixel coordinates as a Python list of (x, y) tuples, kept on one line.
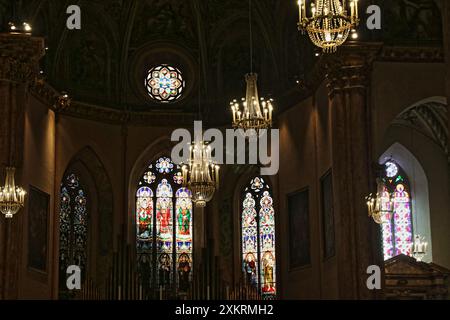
[(19, 68), (357, 236), (199, 237)]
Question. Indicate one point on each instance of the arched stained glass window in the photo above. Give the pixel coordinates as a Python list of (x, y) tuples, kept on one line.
[(164, 227), (164, 83), (184, 237), (258, 237), (397, 232), (72, 228), (164, 232)]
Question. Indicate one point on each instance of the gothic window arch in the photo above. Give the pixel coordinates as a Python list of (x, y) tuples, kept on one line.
[(73, 227), (164, 237), (397, 231), (258, 237)]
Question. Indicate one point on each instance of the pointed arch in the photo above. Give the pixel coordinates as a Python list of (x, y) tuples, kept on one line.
[(258, 236), (164, 248), (417, 139), (414, 198), (94, 183)]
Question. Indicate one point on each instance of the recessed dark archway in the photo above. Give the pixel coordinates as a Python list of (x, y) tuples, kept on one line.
[(418, 140), (96, 182)]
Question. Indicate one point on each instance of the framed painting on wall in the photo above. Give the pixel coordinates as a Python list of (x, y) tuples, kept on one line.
[(299, 229), (38, 212)]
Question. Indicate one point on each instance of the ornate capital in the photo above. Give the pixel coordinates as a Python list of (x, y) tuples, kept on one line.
[(19, 61), (350, 67)]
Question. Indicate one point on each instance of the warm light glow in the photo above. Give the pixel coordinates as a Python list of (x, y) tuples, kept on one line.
[(12, 198), (419, 247), (253, 112), (380, 205), (329, 25), (26, 27), (201, 174), (21, 28)]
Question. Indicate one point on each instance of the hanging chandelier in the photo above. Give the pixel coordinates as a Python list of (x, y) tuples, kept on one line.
[(419, 247), (253, 112), (380, 205), (330, 23), (12, 198), (201, 174)]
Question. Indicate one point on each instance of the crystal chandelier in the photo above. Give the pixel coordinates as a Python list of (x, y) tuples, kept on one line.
[(380, 205), (201, 174), (12, 198), (419, 247), (330, 23), (253, 112)]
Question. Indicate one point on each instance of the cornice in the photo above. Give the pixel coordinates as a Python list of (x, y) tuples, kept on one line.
[(351, 65), (349, 68), (100, 114), (412, 54), (49, 96)]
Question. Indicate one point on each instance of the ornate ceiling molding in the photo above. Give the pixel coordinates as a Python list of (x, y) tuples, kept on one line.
[(368, 53), (106, 115), (342, 70), (431, 119), (19, 61), (412, 54), (63, 105), (49, 96)]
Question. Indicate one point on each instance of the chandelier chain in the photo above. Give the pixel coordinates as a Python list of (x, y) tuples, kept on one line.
[(251, 34)]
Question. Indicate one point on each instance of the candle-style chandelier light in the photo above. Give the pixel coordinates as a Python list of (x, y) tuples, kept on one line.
[(201, 174), (24, 28), (15, 26), (419, 247), (380, 205), (252, 112), (329, 23), (12, 198)]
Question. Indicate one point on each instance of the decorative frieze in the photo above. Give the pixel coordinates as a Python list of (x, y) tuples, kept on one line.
[(412, 54)]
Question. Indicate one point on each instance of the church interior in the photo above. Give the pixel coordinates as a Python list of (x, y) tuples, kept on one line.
[(94, 205)]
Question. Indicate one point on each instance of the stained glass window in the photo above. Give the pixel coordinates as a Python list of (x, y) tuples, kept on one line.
[(184, 237), (164, 83), (164, 228), (72, 227), (397, 232), (258, 237)]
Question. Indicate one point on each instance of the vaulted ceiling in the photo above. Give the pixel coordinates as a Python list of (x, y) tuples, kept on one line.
[(105, 62)]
